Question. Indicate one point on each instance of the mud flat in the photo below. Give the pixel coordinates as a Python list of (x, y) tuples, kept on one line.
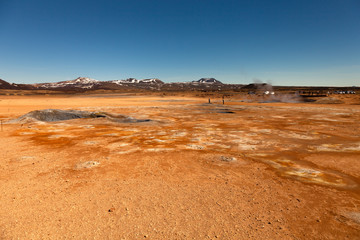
[(192, 170)]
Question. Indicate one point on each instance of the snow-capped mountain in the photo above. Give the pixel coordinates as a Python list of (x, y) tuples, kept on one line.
[(85, 80), (80, 82), (134, 80), (208, 81)]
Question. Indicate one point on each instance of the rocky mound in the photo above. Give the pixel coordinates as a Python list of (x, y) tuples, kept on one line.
[(53, 115)]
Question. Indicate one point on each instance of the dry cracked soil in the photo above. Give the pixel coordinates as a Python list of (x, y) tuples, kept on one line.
[(194, 171)]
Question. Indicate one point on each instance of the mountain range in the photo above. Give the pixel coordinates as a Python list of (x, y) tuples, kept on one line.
[(85, 84)]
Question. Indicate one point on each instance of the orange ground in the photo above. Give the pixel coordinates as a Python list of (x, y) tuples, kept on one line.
[(196, 171)]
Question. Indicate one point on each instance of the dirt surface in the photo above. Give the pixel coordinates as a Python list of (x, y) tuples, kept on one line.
[(194, 171)]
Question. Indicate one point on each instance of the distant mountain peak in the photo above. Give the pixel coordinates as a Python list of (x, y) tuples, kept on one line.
[(134, 80), (152, 80), (80, 82), (208, 81), (6, 85), (85, 80)]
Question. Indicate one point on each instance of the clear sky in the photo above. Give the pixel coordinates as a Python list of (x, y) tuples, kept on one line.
[(289, 42)]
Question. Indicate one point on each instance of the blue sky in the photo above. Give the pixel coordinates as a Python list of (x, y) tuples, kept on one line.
[(292, 42)]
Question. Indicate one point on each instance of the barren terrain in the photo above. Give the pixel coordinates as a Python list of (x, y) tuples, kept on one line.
[(194, 171)]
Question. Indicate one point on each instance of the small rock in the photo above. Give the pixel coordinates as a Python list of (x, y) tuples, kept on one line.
[(196, 147), (227, 159), (88, 164)]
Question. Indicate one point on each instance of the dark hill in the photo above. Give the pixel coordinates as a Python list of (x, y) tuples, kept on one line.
[(6, 85)]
